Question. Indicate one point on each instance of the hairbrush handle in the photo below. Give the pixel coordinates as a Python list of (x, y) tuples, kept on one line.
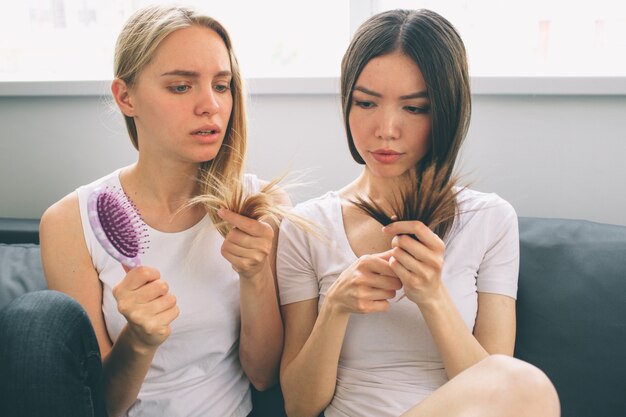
[(116, 225)]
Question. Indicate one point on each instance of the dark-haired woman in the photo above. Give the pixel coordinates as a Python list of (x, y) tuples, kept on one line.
[(416, 318)]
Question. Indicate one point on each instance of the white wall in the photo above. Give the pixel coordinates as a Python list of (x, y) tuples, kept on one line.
[(550, 156)]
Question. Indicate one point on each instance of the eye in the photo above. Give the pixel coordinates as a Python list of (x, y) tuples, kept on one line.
[(417, 109), (222, 88), (179, 89), (364, 104)]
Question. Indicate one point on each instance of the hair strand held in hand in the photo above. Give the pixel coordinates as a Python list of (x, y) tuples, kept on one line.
[(428, 197), (229, 193)]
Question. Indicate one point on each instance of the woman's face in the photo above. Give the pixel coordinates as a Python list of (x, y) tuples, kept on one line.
[(390, 116), (182, 99)]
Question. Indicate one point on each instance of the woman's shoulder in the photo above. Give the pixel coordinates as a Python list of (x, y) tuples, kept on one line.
[(64, 210), (484, 213), (111, 179), (61, 219), (473, 201), (67, 208), (252, 183), (323, 213), (320, 206), (64, 216)]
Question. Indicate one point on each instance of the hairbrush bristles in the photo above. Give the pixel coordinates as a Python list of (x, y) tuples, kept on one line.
[(117, 225)]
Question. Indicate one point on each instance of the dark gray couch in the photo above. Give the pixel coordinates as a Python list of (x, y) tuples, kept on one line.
[(571, 310)]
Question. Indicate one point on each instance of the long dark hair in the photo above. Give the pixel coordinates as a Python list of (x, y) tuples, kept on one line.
[(436, 47)]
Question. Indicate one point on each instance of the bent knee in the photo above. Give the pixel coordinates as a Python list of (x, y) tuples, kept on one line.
[(521, 383), (516, 373), (36, 313)]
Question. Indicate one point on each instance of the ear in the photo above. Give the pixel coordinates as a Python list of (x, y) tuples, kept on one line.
[(121, 95)]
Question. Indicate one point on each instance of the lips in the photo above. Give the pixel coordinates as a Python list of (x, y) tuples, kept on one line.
[(206, 130), (207, 134), (386, 156)]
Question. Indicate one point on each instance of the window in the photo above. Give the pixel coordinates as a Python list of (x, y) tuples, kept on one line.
[(52, 40), (535, 37), (56, 40)]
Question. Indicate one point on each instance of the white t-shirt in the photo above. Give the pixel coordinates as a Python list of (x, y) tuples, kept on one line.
[(196, 371), (389, 361)]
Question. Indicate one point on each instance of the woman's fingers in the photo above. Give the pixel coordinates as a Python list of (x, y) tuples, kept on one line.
[(143, 298), (151, 291), (248, 245), (247, 225), (414, 255), (246, 261), (411, 261), (406, 270), (366, 286), (417, 258), (136, 278), (418, 229)]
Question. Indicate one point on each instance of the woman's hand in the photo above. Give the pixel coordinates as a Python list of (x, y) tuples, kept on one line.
[(144, 299), (366, 286), (418, 261), (248, 245)]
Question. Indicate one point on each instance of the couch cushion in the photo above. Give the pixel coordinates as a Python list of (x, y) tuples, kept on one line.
[(20, 271), (571, 311)]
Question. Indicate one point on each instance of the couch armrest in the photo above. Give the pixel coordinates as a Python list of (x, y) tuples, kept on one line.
[(571, 311), (19, 230)]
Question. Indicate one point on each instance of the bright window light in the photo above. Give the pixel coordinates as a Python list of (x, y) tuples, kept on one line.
[(52, 40), (73, 40), (535, 37)]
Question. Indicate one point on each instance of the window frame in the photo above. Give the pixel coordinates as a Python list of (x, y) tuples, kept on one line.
[(574, 86)]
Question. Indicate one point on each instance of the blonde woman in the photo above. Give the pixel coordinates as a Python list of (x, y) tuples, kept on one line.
[(187, 333), (416, 318)]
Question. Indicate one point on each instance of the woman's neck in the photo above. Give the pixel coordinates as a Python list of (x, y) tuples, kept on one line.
[(379, 190), (165, 185)]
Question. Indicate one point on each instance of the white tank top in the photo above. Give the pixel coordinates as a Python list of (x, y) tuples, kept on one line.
[(196, 371)]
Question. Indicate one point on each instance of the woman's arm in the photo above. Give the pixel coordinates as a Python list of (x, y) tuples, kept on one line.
[(495, 323), (494, 331), (313, 342), (311, 356), (419, 263), (68, 268), (251, 248)]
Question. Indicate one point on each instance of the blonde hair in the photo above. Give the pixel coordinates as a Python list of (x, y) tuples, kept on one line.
[(221, 179), (136, 45), (260, 206)]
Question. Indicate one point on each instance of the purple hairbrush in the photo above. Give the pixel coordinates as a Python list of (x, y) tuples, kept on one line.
[(117, 225)]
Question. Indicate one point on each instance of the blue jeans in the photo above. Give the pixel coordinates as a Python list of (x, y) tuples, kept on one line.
[(50, 362)]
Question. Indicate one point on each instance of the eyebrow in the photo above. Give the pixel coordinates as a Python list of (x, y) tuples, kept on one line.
[(194, 74), (418, 94)]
